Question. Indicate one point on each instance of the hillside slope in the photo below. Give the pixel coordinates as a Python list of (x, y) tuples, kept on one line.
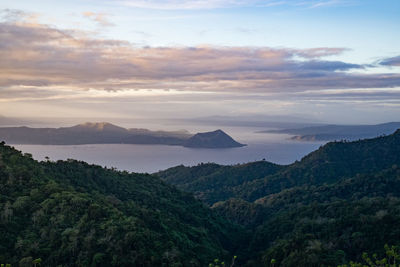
[(70, 213), (212, 182), (328, 164), (323, 225), (325, 210)]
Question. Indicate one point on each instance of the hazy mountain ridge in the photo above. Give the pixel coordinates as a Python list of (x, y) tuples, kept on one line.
[(107, 133), (339, 132), (11, 121)]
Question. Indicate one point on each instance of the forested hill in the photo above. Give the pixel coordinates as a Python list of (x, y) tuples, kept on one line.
[(69, 213), (323, 225), (328, 164), (325, 210), (211, 182)]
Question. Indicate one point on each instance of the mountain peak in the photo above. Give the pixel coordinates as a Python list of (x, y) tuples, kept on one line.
[(214, 139), (99, 126)]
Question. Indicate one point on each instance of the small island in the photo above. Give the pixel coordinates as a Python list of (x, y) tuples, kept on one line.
[(107, 133), (215, 139)]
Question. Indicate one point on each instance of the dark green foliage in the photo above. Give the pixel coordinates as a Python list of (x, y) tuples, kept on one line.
[(391, 259), (330, 233), (218, 263), (329, 208), (71, 213), (326, 210), (329, 164), (241, 212), (212, 182)]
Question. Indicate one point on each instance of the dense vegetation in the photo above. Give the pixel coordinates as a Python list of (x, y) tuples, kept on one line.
[(212, 182), (329, 164), (70, 213), (326, 210)]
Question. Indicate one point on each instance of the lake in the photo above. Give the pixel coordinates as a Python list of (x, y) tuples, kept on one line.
[(152, 158)]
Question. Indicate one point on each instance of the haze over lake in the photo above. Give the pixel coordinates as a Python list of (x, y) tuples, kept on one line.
[(151, 158)]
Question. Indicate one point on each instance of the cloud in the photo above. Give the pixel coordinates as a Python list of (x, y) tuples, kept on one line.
[(392, 61), (214, 4), (100, 18), (245, 30), (321, 52), (370, 94), (15, 15), (316, 4), (43, 56), (187, 4)]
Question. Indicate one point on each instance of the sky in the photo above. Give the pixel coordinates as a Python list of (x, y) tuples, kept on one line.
[(333, 61)]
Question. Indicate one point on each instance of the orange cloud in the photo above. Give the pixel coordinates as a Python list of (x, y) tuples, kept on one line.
[(100, 18)]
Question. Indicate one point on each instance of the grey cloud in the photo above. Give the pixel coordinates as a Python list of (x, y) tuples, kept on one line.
[(393, 61), (327, 65), (320, 52), (14, 15)]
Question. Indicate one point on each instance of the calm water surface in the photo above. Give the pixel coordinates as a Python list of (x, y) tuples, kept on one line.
[(152, 158)]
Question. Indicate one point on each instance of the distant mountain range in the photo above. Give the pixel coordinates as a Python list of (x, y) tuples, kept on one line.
[(107, 133), (8, 121), (338, 132)]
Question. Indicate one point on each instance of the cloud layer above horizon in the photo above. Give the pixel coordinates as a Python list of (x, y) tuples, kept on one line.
[(40, 55), (212, 4), (42, 61)]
